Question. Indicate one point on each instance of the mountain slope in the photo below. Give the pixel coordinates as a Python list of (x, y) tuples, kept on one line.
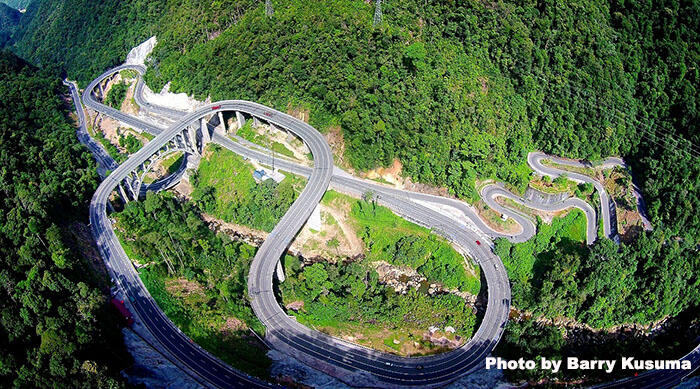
[(17, 4), (56, 326), (456, 91), (9, 19)]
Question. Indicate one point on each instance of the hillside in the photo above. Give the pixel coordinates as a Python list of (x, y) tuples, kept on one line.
[(9, 19), (456, 92), (17, 4), (56, 327)]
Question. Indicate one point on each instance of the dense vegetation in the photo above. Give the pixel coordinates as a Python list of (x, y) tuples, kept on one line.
[(196, 277), (554, 275), (390, 238), (56, 327), (349, 294), (116, 94), (130, 142), (456, 91), (225, 187), (9, 19)]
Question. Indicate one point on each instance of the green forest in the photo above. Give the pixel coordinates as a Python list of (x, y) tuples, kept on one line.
[(347, 294), (457, 91), (554, 274), (56, 327), (178, 248)]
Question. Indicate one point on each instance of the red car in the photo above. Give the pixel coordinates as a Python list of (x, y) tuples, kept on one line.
[(479, 243), (214, 108), (268, 114)]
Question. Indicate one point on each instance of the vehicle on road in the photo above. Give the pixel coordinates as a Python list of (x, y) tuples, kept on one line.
[(478, 243), (214, 108), (119, 304), (268, 114)]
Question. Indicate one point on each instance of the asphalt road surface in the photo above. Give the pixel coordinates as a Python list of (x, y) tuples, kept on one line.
[(283, 331)]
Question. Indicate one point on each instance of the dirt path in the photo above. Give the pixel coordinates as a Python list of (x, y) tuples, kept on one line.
[(348, 231)]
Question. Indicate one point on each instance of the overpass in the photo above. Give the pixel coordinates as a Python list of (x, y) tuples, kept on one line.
[(344, 359)]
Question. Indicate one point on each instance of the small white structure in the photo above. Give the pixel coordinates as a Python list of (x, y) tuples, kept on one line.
[(314, 221), (264, 175)]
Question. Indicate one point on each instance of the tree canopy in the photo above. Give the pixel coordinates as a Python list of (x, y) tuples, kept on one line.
[(56, 327)]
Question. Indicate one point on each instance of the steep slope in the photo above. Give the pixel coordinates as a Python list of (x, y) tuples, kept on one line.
[(456, 92), (56, 326), (9, 19), (17, 4)]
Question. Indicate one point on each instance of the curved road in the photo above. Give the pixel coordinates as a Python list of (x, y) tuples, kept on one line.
[(282, 329), (389, 369)]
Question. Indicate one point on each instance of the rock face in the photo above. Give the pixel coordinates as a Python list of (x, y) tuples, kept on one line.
[(403, 279), (150, 368), (180, 101), (137, 55)]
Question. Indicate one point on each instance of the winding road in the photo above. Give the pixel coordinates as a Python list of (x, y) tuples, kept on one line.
[(346, 360)]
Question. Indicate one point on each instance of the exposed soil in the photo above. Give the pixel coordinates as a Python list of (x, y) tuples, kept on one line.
[(390, 174), (298, 112), (618, 184), (184, 288), (128, 105), (355, 244), (334, 137), (408, 184)]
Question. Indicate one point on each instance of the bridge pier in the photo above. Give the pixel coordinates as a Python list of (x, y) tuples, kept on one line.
[(279, 271), (314, 222), (222, 122), (241, 119), (123, 194), (192, 134), (206, 136)]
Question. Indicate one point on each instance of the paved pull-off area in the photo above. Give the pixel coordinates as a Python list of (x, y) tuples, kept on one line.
[(353, 364)]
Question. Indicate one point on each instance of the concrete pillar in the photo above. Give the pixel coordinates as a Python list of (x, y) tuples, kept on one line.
[(241, 119), (206, 136), (256, 122), (222, 123), (123, 194), (314, 221), (279, 271), (193, 139)]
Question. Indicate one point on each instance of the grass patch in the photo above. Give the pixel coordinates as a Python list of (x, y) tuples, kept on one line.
[(172, 163), (528, 262), (282, 149), (225, 187)]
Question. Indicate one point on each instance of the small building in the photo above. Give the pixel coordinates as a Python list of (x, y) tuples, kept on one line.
[(260, 175), (263, 175)]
